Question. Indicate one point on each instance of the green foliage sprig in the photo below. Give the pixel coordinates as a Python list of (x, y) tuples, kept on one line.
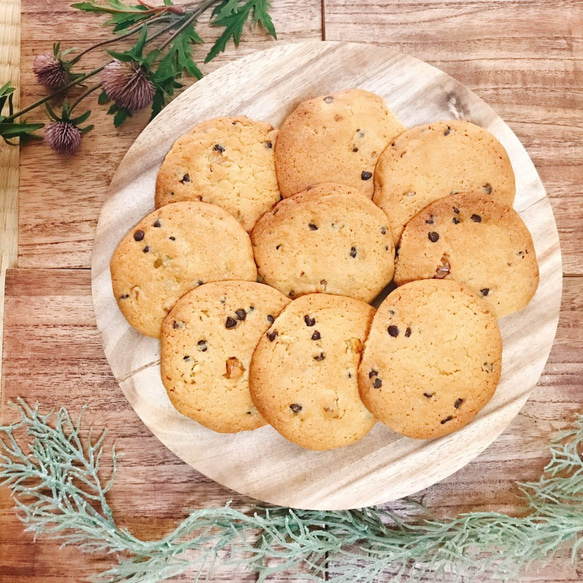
[(147, 73), (54, 479)]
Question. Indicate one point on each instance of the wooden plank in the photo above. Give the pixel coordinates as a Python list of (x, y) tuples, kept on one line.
[(51, 334), (9, 156), (523, 57), (61, 196)]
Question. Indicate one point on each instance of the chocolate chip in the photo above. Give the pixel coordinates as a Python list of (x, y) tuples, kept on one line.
[(485, 291), (177, 324), (202, 345), (476, 218), (272, 335), (295, 407), (428, 395), (309, 321), (124, 297), (200, 282), (172, 238), (433, 236), (383, 230), (157, 223), (278, 247), (378, 383), (316, 335), (393, 330), (430, 220), (230, 322), (458, 403), (186, 358), (487, 188), (320, 357), (291, 293), (455, 221), (407, 332), (448, 418), (313, 227), (456, 210), (355, 149), (366, 175), (328, 99), (241, 314), (270, 318), (218, 148), (146, 249), (353, 252), (185, 178), (139, 235), (373, 373), (268, 145), (447, 131)]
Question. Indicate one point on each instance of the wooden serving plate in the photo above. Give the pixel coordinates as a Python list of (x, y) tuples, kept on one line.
[(383, 466)]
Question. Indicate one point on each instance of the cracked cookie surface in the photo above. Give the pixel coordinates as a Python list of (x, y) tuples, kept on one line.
[(303, 376), (227, 161), (207, 342), (432, 359), (171, 251)]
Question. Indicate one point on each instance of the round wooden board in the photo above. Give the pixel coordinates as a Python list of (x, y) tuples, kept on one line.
[(383, 466)]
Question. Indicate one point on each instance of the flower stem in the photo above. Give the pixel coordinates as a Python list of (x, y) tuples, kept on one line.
[(53, 94), (136, 28), (85, 94), (195, 14)]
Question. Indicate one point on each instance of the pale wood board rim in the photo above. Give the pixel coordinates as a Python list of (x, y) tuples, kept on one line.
[(261, 464)]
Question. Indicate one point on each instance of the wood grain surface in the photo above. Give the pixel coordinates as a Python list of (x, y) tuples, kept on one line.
[(524, 57), (383, 466)]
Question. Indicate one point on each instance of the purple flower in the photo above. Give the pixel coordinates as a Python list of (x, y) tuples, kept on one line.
[(63, 137), (50, 71), (128, 85)]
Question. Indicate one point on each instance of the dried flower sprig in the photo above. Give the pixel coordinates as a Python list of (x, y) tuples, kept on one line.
[(55, 482), (136, 78)]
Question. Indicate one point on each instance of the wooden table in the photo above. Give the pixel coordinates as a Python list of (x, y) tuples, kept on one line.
[(524, 57)]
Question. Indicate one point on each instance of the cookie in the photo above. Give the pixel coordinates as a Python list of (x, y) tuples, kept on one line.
[(227, 161), (475, 240), (171, 251), (432, 359), (207, 342), (328, 239), (303, 377), (336, 137), (429, 162)]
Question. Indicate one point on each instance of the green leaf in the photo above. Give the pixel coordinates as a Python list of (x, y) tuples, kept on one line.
[(233, 24), (103, 98), (125, 57), (224, 9), (121, 116), (261, 15), (90, 7), (23, 130), (82, 118), (233, 17), (6, 93)]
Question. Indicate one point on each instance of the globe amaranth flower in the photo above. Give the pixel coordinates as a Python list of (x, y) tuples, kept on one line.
[(50, 71), (63, 137), (127, 84)]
